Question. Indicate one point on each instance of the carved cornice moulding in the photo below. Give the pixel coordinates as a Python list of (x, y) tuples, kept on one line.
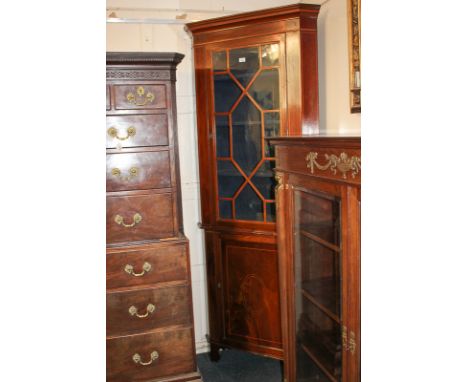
[(259, 16), (148, 74), (171, 59)]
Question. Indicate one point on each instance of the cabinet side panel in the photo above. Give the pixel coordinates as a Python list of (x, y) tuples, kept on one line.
[(202, 102), (309, 78)]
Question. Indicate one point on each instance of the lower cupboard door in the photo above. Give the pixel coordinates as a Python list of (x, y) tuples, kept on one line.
[(251, 296), (151, 355)]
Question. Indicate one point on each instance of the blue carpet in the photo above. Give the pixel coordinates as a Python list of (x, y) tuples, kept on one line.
[(239, 366)]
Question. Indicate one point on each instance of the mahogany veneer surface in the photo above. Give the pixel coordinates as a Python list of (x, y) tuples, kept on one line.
[(318, 231), (150, 336), (233, 69)]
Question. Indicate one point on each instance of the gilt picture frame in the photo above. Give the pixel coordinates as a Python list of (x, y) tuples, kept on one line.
[(354, 47)]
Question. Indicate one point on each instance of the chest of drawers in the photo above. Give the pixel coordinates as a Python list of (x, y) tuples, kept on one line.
[(149, 316)]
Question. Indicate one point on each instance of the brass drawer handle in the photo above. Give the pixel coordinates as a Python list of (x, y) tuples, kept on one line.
[(129, 269), (136, 219), (140, 99), (113, 132), (134, 311), (153, 357), (133, 172)]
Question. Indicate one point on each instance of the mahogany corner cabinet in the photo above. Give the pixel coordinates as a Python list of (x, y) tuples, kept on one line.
[(256, 78), (318, 209)]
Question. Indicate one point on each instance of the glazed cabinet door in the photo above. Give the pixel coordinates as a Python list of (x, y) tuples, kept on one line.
[(246, 111)]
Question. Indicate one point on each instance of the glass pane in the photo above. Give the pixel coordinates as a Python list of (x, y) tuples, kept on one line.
[(225, 209), (244, 64), (320, 273), (247, 135), (248, 205), (229, 179), (219, 61), (319, 337), (264, 179), (270, 55), (226, 93), (265, 89), (271, 129), (307, 371), (271, 212), (318, 285), (222, 136), (320, 216)]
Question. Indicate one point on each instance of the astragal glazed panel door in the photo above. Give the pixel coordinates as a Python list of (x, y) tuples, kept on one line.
[(246, 111)]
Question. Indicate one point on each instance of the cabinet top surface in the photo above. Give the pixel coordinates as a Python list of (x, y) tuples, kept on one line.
[(144, 58), (294, 10), (320, 139)]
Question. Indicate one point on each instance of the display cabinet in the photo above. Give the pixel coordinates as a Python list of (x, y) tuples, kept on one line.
[(318, 209), (256, 77)]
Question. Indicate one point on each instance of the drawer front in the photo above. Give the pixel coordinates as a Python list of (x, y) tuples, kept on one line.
[(136, 311), (139, 217), (134, 171), (129, 97), (174, 351), (160, 264), (137, 131)]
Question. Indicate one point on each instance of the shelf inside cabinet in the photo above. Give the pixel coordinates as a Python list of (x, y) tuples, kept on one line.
[(322, 345), (328, 290), (319, 240)]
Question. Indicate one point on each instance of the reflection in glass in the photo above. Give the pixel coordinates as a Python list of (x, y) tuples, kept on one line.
[(226, 92), (222, 136), (271, 129), (229, 179), (219, 61), (247, 135), (264, 180), (317, 259), (244, 64), (270, 55), (265, 89), (248, 205), (225, 209)]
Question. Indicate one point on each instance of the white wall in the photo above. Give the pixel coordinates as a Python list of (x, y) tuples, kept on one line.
[(332, 33), (333, 91)]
